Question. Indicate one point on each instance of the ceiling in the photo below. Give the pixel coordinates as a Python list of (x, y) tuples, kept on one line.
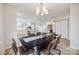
[(54, 9)]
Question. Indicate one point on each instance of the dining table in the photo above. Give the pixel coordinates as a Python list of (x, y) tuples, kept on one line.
[(35, 41)]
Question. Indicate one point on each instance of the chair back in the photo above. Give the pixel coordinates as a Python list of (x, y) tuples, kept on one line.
[(14, 46), (51, 45), (57, 40)]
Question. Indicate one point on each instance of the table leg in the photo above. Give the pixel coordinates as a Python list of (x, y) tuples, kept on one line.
[(38, 50)]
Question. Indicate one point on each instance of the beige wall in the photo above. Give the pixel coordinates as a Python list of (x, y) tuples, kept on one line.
[(1, 28), (74, 26), (9, 25)]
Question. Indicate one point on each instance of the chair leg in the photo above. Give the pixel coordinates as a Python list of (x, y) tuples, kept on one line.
[(51, 54), (59, 51), (33, 53)]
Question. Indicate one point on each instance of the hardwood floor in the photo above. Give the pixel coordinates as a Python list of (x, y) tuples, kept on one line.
[(63, 46), (65, 42)]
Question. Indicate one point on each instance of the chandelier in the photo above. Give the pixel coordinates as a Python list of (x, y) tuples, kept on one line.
[(41, 10)]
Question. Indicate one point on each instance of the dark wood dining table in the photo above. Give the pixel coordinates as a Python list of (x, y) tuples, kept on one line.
[(35, 41)]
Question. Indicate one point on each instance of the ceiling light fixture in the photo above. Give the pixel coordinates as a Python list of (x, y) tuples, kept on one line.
[(41, 10)]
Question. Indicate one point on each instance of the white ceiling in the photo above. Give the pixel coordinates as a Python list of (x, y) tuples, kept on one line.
[(54, 9)]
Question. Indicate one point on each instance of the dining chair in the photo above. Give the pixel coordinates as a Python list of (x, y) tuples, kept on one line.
[(44, 46), (58, 37), (51, 47), (55, 44), (21, 50)]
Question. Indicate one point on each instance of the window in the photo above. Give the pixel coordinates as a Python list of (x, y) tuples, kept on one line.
[(20, 24)]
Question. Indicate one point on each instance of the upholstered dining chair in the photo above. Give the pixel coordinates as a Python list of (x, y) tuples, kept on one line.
[(21, 50), (55, 44), (51, 47), (58, 37)]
